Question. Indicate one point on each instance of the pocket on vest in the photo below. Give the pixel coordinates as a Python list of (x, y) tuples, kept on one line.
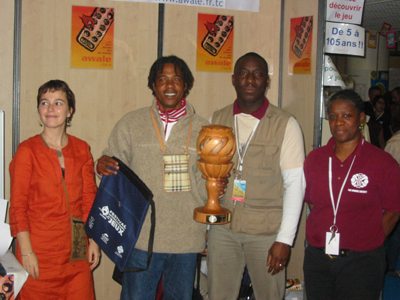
[(259, 220), (260, 156), (264, 188)]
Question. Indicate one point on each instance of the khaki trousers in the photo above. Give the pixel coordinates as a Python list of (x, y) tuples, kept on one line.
[(227, 255)]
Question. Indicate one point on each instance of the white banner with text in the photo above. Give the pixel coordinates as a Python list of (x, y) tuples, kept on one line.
[(345, 11), (246, 5), (344, 39), (331, 74)]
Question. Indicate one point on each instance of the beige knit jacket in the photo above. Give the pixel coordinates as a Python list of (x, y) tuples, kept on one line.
[(134, 141)]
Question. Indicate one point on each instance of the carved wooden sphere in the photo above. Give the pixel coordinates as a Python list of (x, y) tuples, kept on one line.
[(216, 144)]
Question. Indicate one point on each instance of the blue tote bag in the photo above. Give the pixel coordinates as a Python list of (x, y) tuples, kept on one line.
[(117, 216)]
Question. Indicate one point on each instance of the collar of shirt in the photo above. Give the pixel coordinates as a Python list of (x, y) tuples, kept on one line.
[(172, 115), (259, 113), (357, 151)]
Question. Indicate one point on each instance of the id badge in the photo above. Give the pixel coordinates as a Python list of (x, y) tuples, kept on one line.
[(332, 242), (239, 190)]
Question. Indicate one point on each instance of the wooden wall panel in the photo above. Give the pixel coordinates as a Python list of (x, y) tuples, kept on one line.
[(298, 98), (253, 32), (103, 96), (6, 84)]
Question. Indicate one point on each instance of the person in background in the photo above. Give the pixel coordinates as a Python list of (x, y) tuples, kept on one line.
[(379, 123), (393, 240), (395, 99), (373, 91), (52, 181), (269, 161), (353, 208)]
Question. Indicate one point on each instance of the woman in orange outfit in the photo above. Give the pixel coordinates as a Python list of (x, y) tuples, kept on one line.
[(41, 211)]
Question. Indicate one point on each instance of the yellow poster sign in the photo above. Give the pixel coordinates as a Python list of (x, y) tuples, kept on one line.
[(214, 43), (92, 37)]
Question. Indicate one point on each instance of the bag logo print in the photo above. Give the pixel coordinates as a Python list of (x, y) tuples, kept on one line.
[(119, 252), (112, 219), (105, 238), (91, 222)]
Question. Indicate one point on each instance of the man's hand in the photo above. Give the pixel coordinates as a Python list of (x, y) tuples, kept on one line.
[(222, 184), (103, 163), (278, 256)]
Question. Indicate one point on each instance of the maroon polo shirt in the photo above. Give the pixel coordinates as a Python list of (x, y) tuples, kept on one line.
[(259, 113), (373, 185)]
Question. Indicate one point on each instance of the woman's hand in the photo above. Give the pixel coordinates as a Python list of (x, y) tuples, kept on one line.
[(93, 254), (31, 264), (30, 261)]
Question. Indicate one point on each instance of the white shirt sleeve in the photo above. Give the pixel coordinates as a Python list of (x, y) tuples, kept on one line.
[(292, 153), (393, 147), (291, 163), (295, 184)]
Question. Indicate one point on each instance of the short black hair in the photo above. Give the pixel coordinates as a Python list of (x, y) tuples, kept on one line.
[(374, 88), (376, 99), (397, 89), (252, 54), (57, 85), (348, 95), (158, 67)]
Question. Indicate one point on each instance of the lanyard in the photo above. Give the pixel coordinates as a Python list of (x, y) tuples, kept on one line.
[(335, 208), (159, 135), (240, 153)]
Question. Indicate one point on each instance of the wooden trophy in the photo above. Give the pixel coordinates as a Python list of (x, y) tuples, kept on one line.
[(216, 146)]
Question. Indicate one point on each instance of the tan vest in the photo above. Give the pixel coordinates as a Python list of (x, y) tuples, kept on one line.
[(261, 212)]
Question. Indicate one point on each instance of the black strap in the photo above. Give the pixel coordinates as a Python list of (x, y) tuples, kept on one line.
[(199, 257), (196, 291)]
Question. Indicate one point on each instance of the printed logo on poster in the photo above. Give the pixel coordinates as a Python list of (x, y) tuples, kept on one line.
[(345, 11), (345, 39)]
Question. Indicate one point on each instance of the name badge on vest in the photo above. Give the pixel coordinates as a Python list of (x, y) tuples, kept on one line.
[(239, 190)]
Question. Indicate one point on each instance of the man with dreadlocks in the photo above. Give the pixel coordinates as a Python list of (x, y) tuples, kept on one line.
[(146, 140)]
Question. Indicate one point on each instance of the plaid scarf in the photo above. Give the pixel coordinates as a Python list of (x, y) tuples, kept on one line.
[(173, 115)]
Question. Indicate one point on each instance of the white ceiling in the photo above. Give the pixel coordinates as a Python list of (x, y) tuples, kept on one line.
[(376, 12)]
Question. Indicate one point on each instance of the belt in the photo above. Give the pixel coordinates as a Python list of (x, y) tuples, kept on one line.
[(342, 252)]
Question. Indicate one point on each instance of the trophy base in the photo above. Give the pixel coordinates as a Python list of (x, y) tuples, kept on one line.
[(203, 215)]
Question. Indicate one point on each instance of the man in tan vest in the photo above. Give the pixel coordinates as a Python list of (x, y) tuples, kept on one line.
[(265, 193)]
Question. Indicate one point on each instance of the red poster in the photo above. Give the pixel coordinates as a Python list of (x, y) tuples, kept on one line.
[(300, 45), (92, 37)]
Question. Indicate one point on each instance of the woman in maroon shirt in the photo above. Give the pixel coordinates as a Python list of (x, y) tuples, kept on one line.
[(353, 208)]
